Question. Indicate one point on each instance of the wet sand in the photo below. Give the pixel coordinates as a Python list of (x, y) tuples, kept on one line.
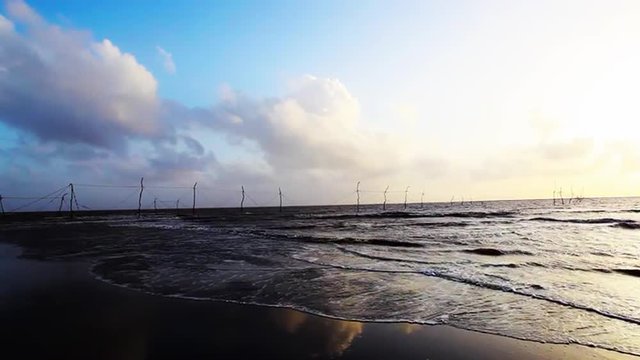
[(57, 310)]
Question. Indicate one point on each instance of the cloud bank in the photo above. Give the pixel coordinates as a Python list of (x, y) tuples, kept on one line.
[(93, 108), (84, 110)]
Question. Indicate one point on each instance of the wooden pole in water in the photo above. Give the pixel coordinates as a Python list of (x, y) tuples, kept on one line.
[(178, 207), (280, 194), (140, 196), (384, 203), (242, 200), (193, 208), (358, 197), (155, 205), (406, 192), (73, 194), (1, 206), (422, 200)]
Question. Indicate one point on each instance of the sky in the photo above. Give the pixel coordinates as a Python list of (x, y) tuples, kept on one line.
[(481, 100)]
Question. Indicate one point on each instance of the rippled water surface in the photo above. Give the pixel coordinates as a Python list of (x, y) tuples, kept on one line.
[(526, 269)]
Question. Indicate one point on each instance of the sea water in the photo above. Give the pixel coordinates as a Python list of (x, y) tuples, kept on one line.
[(559, 273)]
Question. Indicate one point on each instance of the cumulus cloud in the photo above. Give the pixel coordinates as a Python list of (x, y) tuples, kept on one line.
[(167, 60), (317, 126), (63, 86)]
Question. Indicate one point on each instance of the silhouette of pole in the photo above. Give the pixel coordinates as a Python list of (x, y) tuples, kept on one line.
[(384, 204), (571, 198), (280, 194), (406, 192), (73, 194), (61, 202), (422, 200), (178, 207), (358, 197), (140, 196), (1, 206), (155, 204), (193, 207), (242, 200)]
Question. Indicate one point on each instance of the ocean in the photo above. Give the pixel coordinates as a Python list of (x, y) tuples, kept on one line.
[(524, 269)]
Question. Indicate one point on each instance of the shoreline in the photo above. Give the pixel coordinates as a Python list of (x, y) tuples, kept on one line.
[(362, 321), (276, 332)]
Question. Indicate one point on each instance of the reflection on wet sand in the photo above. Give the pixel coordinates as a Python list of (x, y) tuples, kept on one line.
[(336, 336), (407, 329), (342, 336), (290, 321)]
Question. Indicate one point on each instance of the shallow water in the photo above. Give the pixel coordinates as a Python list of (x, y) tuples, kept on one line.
[(525, 269)]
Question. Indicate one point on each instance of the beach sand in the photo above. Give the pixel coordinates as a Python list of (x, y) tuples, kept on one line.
[(57, 310)]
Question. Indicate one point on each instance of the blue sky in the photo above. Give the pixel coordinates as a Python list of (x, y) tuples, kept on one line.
[(494, 99), (254, 45)]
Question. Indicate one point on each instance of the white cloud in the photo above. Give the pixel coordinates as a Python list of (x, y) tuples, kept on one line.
[(61, 85), (5, 24), (22, 12), (317, 126), (167, 60)]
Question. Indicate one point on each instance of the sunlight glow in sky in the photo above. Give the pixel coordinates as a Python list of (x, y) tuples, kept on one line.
[(481, 99)]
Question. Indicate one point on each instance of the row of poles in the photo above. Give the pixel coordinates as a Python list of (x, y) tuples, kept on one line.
[(558, 194), (193, 205), (73, 200), (384, 202), (155, 200)]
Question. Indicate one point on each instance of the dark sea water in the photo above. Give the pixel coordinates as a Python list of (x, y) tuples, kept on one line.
[(525, 269)]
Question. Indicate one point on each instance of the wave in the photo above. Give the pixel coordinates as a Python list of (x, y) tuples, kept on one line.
[(440, 224), (295, 227), (601, 253), (518, 291), (627, 225), (525, 264), (337, 240), (476, 214), (614, 221), (411, 215), (383, 258), (133, 263), (631, 272), (496, 252), (507, 265), (505, 288), (379, 242)]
